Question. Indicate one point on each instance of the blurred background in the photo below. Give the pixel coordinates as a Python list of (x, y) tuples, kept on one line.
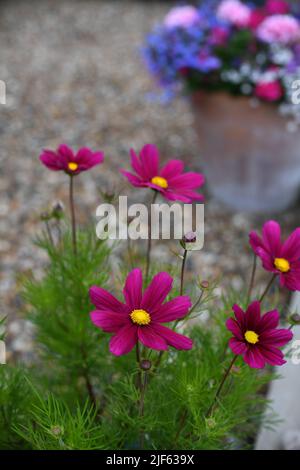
[(74, 74)]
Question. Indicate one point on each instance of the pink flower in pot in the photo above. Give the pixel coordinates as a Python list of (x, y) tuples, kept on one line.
[(269, 90), (182, 17), (235, 12), (282, 29)]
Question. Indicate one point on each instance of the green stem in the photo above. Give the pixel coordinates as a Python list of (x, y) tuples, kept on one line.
[(73, 217), (267, 287), (142, 406), (210, 409), (149, 245), (49, 233)]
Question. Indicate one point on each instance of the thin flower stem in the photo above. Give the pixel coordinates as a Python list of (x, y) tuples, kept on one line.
[(138, 360), (197, 302), (268, 287), (73, 217), (142, 405), (210, 410), (49, 233), (182, 421), (251, 285), (182, 271), (149, 246)]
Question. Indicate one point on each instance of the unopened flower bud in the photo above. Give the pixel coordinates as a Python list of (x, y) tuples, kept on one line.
[(294, 319), (145, 364), (204, 284), (58, 210), (56, 431), (190, 237)]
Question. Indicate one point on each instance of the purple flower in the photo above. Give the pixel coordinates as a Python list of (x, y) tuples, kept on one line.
[(169, 180), (64, 159), (257, 337), (140, 318), (282, 258)]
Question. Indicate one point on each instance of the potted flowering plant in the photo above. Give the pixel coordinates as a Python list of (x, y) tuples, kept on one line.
[(238, 63), (118, 363)]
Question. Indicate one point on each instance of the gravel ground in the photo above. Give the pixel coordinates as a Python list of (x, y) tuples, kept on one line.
[(73, 74)]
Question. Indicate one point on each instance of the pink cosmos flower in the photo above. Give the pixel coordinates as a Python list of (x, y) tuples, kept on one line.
[(269, 91), (182, 17), (257, 337), (140, 317), (283, 29), (169, 180), (234, 12), (277, 7), (64, 159), (277, 257)]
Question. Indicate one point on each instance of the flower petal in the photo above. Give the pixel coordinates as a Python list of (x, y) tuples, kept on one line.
[(255, 242), (239, 315), (272, 237), (291, 280), (254, 358), (151, 339), (291, 247), (186, 181), (108, 322), (51, 160), (173, 310), (172, 168), (252, 316), (103, 300), (133, 289), (66, 152), (157, 291), (136, 164), (174, 339), (233, 326), (134, 180), (277, 338), (237, 347), (268, 321), (149, 157), (272, 356), (124, 340)]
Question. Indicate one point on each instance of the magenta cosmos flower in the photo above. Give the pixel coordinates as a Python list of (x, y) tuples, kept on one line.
[(64, 159), (170, 180), (277, 257), (140, 317), (257, 337)]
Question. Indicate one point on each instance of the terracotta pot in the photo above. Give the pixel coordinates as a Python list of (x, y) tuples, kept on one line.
[(251, 161)]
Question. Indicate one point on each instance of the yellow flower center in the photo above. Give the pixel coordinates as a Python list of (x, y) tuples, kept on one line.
[(160, 181), (141, 317), (72, 166), (282, 265), (251, 337)]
